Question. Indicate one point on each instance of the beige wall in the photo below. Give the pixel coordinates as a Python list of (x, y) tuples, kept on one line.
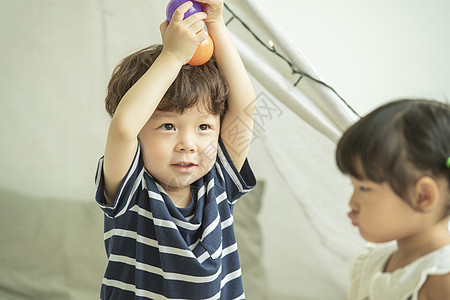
[(56, 57)]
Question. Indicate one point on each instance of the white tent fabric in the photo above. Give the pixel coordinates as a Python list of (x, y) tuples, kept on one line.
[(308, 242), (276, 79)]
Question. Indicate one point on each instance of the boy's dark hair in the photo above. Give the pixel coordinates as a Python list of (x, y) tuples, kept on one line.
[(398, 143), (194, 84)]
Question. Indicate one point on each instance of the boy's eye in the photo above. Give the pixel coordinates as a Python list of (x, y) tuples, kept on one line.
[(204, 127), (167, 126)]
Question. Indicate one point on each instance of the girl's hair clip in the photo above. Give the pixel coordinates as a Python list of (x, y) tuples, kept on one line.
[(447, 162)]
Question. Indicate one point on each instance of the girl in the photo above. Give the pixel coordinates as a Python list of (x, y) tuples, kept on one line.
[(398, 159)]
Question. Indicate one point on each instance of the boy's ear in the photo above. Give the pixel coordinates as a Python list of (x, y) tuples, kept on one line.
[(426, 194)]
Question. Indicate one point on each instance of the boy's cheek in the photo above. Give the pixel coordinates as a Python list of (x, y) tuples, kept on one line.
[(208, 158)]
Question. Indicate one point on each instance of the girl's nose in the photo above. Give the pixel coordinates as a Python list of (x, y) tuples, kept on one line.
[(353, 203)]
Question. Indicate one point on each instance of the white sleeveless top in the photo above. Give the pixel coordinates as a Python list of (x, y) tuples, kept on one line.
[(369, 282)]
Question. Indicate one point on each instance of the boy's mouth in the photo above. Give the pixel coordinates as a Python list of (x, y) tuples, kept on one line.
[(184, 166)]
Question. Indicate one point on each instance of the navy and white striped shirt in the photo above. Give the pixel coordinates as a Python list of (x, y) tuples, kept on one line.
[(158, 251)]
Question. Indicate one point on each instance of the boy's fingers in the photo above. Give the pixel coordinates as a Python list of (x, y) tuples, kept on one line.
[(198, 27), (178, 14), (192, 19), (206, 1), (163, 27), (202, 36), (215, 4)]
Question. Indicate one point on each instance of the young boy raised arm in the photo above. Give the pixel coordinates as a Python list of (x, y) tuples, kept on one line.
[(173, 166)]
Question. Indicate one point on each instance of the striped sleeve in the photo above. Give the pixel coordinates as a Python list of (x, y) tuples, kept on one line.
[(127, 189), (234, 182)]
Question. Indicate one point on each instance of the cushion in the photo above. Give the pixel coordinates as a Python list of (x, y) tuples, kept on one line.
[(50, 248)]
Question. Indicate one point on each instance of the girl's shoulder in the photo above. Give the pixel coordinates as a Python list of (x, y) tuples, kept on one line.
[(436, 287), (436, 275), (369, 280), (434, 263)]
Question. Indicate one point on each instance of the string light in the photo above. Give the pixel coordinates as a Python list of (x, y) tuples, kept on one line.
[(270, 45)]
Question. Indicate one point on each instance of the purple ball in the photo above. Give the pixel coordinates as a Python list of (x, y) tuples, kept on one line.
[(173, 5)]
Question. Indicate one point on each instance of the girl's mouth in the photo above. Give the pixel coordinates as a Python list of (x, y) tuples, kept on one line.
[(352, 217)]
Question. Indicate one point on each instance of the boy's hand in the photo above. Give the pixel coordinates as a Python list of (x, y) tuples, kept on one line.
[(213, 8), (181, 37)]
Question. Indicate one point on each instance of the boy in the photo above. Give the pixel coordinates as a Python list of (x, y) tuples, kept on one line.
[(173, 169)]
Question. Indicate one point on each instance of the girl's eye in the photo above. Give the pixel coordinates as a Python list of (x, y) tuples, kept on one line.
[(364, 189), (204, 127), (167, 126)]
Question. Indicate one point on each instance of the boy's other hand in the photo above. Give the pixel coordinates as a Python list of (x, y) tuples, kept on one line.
[(181, 37), (213, 8)]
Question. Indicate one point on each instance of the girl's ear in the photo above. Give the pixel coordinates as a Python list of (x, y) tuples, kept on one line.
[(426, 194)]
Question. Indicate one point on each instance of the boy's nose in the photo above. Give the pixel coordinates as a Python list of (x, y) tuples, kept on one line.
[(186, 144)]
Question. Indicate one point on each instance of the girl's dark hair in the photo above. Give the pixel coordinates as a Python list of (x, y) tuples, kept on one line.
[(194, 84), (398, 143)]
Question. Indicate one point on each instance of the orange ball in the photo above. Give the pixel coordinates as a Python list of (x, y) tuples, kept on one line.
[(203, 52)]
